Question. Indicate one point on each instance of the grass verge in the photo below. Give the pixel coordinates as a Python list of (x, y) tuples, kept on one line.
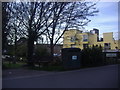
[(7, 65), (48, 68)]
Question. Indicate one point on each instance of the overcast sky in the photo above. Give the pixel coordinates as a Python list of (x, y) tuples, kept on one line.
[(107, 18)]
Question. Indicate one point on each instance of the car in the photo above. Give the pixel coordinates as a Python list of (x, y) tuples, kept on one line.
[(4, 57), (56, 55)]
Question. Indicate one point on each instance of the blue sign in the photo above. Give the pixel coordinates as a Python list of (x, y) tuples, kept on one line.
[(74, 57)]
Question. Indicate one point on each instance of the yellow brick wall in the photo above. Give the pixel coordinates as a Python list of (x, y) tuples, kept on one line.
[(92, 39), (108, 37), (119, 44)]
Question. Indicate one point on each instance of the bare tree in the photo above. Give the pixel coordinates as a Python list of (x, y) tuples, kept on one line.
[(14, 25), (5, 19), (31, 17), (67, 15)]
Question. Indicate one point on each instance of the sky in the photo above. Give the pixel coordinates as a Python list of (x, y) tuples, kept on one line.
[(106, 19)]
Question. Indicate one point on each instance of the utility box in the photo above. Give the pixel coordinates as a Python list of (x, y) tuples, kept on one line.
[(71, 58)]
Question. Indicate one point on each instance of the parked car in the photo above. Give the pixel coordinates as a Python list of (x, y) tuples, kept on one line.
[(6, 57), (56, 55)]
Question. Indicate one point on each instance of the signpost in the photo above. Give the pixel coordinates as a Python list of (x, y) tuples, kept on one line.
[(111, 54)]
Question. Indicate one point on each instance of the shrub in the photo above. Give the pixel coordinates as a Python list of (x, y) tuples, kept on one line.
[(41, 56), (92, 56), (21, 50), (56, 61), (41, 51)]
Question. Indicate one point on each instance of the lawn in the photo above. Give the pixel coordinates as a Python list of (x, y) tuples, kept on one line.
[(7, 65), (48, 68)]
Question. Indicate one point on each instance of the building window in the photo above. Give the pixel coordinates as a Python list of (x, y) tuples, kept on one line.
[(72, 39), (85, 38), (73, 45), (85, 45), (107, 46)]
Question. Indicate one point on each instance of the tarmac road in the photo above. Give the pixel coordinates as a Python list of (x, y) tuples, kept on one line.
[(97, 77)]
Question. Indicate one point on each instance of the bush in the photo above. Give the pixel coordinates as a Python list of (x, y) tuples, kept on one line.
[(92, 56), (41, 56), (41, 51), (21, 50), (56, 61)]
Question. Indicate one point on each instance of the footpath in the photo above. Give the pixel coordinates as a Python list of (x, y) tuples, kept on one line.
[(22, 72)]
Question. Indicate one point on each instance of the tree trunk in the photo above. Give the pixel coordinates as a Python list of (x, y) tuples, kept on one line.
[(30, 51), (15, 48), (51, 51)]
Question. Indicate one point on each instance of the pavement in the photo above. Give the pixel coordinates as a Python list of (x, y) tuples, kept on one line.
[(97, 77), (22, 72)]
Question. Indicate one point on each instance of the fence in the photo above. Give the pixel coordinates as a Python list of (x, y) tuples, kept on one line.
[(111, 57)]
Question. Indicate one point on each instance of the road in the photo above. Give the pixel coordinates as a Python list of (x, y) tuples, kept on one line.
[(97, 77)]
